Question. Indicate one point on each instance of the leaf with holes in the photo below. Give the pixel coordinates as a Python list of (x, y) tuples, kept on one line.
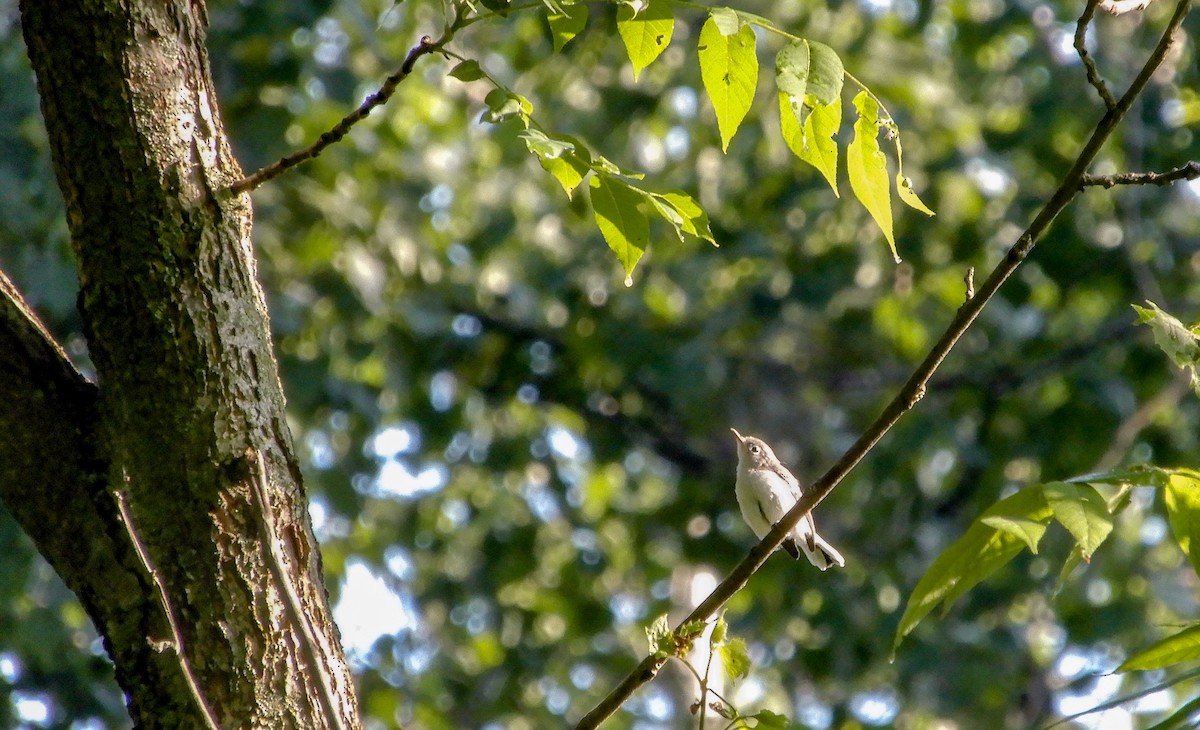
[(729, 69), (867, 168), (646, 32)]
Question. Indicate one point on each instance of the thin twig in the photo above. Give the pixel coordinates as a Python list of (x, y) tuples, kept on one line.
[(913, 390), (1093, 73), (1190, 171), (425, 47), (297, 615), (210, 719)]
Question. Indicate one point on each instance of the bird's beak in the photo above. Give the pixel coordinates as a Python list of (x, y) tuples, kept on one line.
[(740, 437)]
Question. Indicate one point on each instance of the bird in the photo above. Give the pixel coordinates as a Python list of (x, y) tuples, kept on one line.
[(765, 491)]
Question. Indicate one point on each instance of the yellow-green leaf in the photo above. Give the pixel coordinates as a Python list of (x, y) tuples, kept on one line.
[(1182, 497), (622, 223), (1080, 509), (908, 196), (729, 69), (1181, 647), (813, 143), (867, 168), (683, 213), (567, 24), (646, 32), (981, 551), (566, 169), (1029, 531), (734, 658)]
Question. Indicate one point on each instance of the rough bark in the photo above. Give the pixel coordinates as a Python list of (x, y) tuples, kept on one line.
[(187, 425)]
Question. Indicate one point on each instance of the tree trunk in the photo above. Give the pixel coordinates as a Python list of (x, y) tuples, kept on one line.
[(208, 589)]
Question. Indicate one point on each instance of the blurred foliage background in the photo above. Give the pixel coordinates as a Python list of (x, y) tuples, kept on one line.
[(516, 462)]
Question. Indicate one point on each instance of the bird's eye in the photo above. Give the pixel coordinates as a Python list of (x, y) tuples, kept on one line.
[(753, 449)]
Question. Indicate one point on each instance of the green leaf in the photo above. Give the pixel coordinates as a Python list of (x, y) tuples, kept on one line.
[(726, 20), (814, 143), (566, 25), (567, 170), (734, 658), (1029, 531), (1138, 475), (1080, 509), (503, 104), (825, 75), (981, 551), (729, 69), (720, 630), (1181, 647), (791, 72), (1183, 718), (544, 145), (467, 70), (622, 223), (1180, 342), (646, 32), (773, 721), (908, 196), (868, 168), (683, 213), (662, 642), (1182, 496)]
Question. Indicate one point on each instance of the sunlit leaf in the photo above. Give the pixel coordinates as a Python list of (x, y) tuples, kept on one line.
[(813, 143), (1181, 647), (621, 222), (1182, 497), (726, 19), (1080, 509), (544, 145), (683, 213), (1029, 531), (646, 32), (662, 642), (1180, 342), (729, 69), (981, 551), (720, 630), (567, 24), (567, 170), (734, 658), (867, 168), (909, 196)]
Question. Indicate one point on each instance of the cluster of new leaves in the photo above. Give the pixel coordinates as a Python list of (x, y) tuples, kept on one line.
[(1180, 342), (809, 77), (735, 663)]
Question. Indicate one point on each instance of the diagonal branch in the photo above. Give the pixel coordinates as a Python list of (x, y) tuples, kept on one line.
[(914, 389), (335, 134), (1190, 171)]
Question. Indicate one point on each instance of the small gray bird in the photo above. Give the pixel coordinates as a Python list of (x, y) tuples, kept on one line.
[(766, 490)]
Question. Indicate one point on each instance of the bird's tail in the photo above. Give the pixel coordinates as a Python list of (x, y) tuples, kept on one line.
[(821, 553)]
